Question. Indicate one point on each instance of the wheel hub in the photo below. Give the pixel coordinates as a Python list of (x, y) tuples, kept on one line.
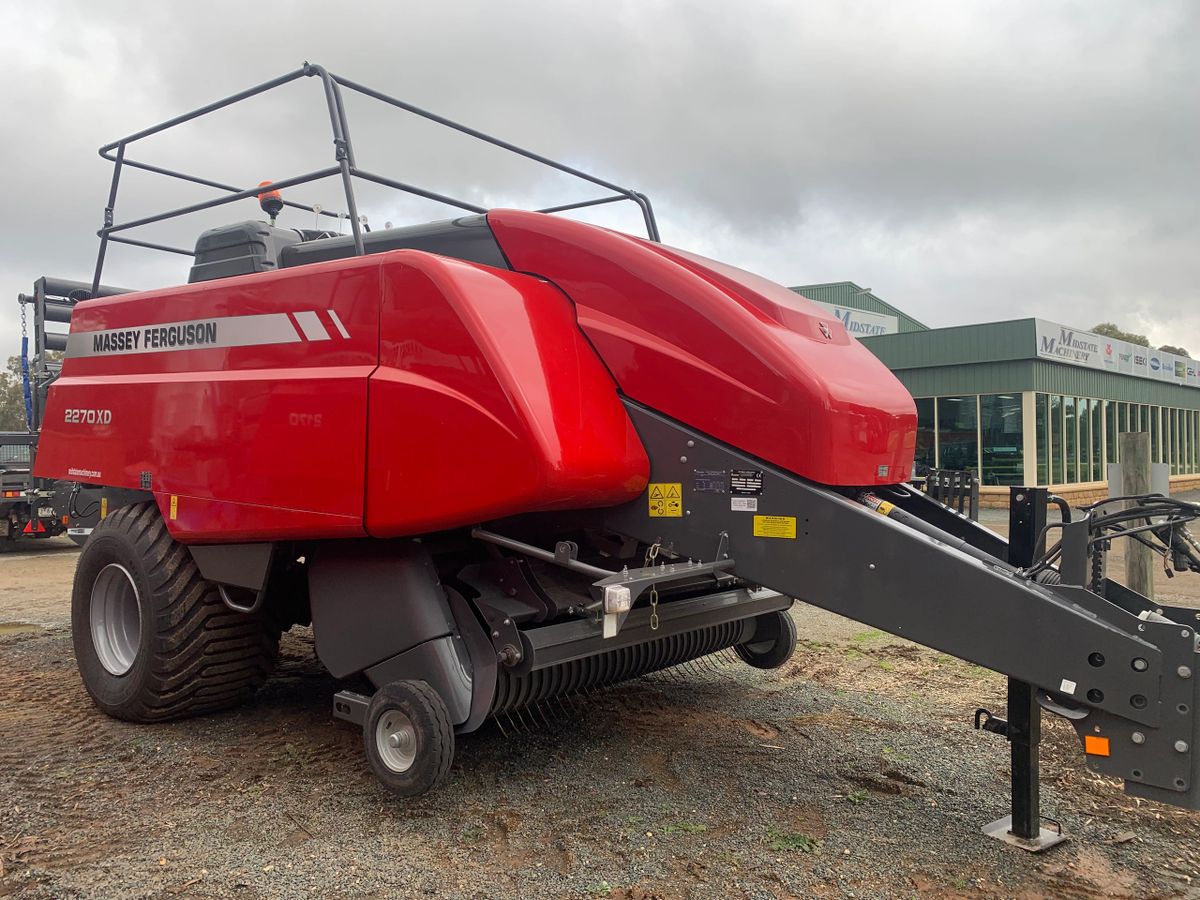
[(397, 740), (116, 619)]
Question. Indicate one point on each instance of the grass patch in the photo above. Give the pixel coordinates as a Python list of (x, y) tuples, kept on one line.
[(780, 841), (871, 634), (814, 645), (684, 828), (857, 797)]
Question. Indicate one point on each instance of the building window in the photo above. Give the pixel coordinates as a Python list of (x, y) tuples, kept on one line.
[(1085, 438), (1194, 433), (1002, 447), (1042, 425), (1155, 437), (1180, 441), (1111, 417), (1057, 475), (1195, 441), (1174, 442), (1167, 438), (1097, 440), (1185, 449), (1190, 456), (1071, 444), (926, 455), (1185, 441), (958, 433), (1088, 439)]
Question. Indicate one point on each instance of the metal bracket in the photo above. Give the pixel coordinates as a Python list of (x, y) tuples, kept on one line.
[(254, 607), (512, 575), (351, 707), (1002, 830), (637, 581), (985, 721), (723, 546), (503, 633)]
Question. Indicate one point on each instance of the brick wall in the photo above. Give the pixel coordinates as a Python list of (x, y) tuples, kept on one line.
[(1080, 494)]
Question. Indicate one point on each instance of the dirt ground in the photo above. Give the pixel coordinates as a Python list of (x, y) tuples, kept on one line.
[(851, 772)]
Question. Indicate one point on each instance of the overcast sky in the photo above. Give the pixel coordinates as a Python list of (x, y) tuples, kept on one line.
[(968, 161)]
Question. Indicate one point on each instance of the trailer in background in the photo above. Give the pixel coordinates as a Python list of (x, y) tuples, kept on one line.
[(34, 508)]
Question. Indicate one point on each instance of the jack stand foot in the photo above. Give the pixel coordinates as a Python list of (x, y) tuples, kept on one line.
[(1001, 830)]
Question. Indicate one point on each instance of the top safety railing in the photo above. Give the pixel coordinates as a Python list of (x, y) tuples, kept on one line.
[(344, 165)]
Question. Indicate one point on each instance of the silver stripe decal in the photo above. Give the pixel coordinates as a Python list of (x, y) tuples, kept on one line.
[(311, 325), (338, 322), (191, 334)]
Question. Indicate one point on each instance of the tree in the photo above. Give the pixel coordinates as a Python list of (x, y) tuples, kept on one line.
[(1108, 329), (1178, 351), (12, 397)]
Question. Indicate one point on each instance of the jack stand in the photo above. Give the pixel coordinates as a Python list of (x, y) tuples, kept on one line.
[(1026, 523), (1023, 828)]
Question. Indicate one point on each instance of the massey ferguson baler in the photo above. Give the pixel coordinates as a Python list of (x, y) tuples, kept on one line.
[(565, 456)]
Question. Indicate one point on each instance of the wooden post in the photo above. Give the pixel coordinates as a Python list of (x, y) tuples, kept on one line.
[(1135, 479)]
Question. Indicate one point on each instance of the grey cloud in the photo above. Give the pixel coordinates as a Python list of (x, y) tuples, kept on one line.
[(967, 161)]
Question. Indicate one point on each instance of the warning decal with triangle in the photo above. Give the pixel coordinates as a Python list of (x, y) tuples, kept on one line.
[(666, 500)]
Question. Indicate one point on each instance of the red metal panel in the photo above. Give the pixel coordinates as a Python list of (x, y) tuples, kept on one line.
[(258, 441), (732, 354), (488, 402), (250, 408)]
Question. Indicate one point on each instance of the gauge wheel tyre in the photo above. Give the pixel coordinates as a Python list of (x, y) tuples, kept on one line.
[(773, 644), (408, 737), (153, 641)]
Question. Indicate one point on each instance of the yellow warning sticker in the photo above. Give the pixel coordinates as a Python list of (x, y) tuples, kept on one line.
[(884, 508), (103, 507), (174, 507), (666, 500), (775, 526)]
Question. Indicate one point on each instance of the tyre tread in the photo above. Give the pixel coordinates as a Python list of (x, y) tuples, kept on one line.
[(204, 656)]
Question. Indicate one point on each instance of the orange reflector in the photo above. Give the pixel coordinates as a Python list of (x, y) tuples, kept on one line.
[(1095, 746), (12, 493), (64, 520)]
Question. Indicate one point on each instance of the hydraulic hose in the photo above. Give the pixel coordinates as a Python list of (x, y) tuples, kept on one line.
[(893, 512)]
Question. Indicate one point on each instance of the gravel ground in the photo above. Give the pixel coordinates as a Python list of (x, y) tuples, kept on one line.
[(852, 771)]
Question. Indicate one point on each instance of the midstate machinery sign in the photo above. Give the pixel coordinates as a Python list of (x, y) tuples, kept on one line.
[(861, 323), (1063, 344)]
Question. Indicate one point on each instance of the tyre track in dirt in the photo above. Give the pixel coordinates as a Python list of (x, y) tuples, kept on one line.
[(57, 751)]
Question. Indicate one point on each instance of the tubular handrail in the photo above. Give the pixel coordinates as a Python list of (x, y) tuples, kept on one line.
[(344, 166)]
